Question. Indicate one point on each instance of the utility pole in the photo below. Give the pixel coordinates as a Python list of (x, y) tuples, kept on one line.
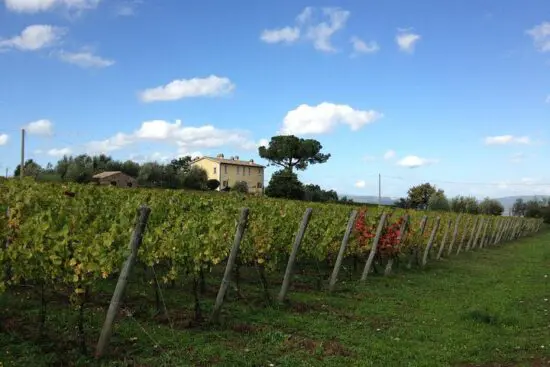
[(22, 167), (379, 189)]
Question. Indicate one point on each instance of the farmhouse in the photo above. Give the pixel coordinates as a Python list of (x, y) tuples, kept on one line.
[(229, 171), (115, 178)]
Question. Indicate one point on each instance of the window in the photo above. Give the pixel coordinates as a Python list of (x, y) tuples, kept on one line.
[(225, 168), (238, 169), (259, 185), (215, 170), (259, 170), (249, 171), (225, 184)]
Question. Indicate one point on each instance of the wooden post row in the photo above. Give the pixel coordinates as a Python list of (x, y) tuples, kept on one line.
[(334, 277), (374, 246), (430, 241)]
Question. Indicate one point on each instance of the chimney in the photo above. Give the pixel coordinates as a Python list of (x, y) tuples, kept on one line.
[(236, 157), (251, 161), (219, 156), (232, 158)]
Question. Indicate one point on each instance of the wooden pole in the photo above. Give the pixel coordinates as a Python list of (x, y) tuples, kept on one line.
[(455, 234), (484, 234), (463, 237), (239, 233), (370, 259), (478, 233), (342, 251), (472, 234), (402, 233), (430, 241), (135, 242), (292, 259), (444, 241), (414, 250)]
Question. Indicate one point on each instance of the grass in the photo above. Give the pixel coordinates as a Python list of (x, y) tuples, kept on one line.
[(489, 307)]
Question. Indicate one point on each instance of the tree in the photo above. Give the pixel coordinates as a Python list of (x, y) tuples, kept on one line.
[(519, 208), (315, 193), (285, 184), (491, 207), (195, 179), (438, 201), (181, 165), (32, 169), (130, 168), (419, 195), (465, 204), (403, 203), (289, 152), (212, 184), (241, 186)]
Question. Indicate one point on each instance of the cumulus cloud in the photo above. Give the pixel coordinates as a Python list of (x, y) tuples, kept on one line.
[(360, 184), (33, 38), (413, 161), (389, 154), (211, 86), (127, 8), (85, 59), (59, 152), (362, 47), (36, 6), (507, 139), (324, 117), (40, 127), (281, 35), (316, 25), (4, 139), (541, 36), (407, 40), (185, 138)]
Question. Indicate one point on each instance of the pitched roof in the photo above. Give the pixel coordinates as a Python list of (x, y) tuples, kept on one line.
[(231, 161), (106, 174)]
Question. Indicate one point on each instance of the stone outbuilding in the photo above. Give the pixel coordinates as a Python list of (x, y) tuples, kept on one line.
[(115, 178)]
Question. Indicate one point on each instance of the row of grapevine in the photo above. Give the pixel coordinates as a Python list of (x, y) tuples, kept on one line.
[(71, 236)]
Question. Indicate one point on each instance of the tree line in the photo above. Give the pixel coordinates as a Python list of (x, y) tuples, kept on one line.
[(535, 208)]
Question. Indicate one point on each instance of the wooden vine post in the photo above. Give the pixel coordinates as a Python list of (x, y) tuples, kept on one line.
[(472, 235), (430, 242), (455, 234), (342, 251), (135, 242), (400, 239), (239, 233), (414, 250), (374, 246), (292, 259), (444, 241), (484, 235), (478, 233)]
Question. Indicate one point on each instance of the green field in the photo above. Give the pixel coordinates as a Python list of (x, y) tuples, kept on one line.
[(488, 307)]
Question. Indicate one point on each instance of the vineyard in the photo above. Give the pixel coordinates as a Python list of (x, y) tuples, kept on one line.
[(71, 239)]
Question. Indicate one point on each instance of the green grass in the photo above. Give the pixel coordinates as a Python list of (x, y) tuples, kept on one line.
[(489, 307)]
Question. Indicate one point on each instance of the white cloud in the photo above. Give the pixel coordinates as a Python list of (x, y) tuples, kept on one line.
[(4, 139), (33, 38), (507, 139), (311, 28), (40, 127), (85, 59), (541, 36), (361, 47), (517, 157), (320, 34), (360, 184), (406, 40), (59, 152), (320, 119), (263, 143), (413, 161), (35, 6), (185, 88), (285, 35), (389, 154), (185, 138), (127, 8)]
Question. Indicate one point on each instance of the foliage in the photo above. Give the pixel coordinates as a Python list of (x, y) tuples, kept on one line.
[(315, 193), (32, 169), (491, 207), (519, 208), (465, 204), (438, 202), (195, 179), (212, 184), (285, 184), (240, 186), (289, 152), (403, 203), (419, 196)]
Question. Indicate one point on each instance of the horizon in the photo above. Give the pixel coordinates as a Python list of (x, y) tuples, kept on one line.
[(404, 90)]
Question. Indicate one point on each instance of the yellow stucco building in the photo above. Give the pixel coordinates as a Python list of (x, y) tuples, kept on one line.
[(230, 170)]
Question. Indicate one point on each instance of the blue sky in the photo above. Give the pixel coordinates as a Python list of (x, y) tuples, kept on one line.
[(454, 93)]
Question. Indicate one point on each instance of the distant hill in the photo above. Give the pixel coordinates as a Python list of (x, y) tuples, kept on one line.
[(508, 201), (372, 199)]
